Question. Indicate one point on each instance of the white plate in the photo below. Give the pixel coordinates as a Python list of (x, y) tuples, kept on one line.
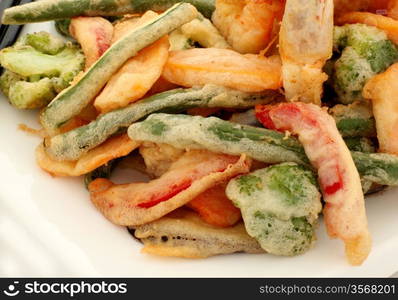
[(48, 227)]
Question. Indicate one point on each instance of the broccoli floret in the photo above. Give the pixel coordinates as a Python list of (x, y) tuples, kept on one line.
[(280, 206), (366, 51), (62, 27), (38, 67)]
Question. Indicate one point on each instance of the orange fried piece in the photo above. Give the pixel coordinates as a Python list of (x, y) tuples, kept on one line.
[(248, 25), (387, 24), (245, 72), (215, 208), (114, 147)]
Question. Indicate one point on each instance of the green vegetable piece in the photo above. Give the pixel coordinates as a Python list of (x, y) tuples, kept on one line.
[(38, 67), (246, 118), (30, 95), (188, 132), (366, 51), (354, 120), (73, 100), (183, 131), (360, 144), (47, 10), (281, 209), (71, 145)]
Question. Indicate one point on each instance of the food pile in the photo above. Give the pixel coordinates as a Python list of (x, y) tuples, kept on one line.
[(250, 117)]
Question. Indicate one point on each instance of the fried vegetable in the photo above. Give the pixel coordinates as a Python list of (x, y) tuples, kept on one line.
[(38, 67), (280, 206), (215, 208), (360, 144), (199, 30), (80, 94), (388, 25), (188, 132), (392, 11), (48, 10), (366, 51), (114, 147), (354, 120), (62, 27), (246, 118), (261, 144), (103, 171), (140, 203), (305, 46), (137, 75), (94, 34), (249, 26), (380, 168), (382, 91), (248, 73), (344, 212), (183, 234), (73, 144)]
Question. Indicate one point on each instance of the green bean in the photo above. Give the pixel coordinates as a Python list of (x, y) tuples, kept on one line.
[(74, 99)]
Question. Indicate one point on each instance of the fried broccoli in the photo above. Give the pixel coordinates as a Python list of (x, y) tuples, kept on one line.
[(280, 206), (365, 51), (38, 67)]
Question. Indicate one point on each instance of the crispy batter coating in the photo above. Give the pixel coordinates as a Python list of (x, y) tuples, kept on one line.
[(138, 74)]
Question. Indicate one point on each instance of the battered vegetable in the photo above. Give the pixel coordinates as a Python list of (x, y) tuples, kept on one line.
[(280, 207), (199, 30), (344, 212), (62, 9), (183, 132), (366, 51), (249, 26), (38, 67), (74, 99), (382, 90), (71, 145), (138, 74), (199, 66)]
